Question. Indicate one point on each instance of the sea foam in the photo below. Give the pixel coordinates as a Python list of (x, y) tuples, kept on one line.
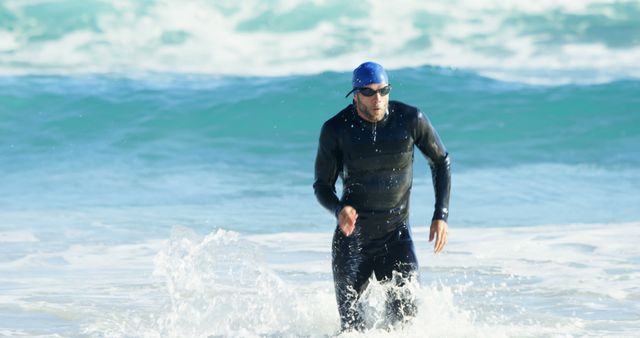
[(550, 43)]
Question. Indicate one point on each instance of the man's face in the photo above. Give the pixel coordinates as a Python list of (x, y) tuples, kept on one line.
[(372, 108)]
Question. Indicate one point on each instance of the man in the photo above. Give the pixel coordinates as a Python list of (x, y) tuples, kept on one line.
[(369, 144)]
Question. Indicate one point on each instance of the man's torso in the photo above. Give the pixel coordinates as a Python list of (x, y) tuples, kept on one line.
[(377, 167)]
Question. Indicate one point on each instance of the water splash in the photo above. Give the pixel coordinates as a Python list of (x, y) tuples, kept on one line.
[(223, 285), (220, 286)]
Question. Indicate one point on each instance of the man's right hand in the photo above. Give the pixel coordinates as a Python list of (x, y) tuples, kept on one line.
[(347, 220)]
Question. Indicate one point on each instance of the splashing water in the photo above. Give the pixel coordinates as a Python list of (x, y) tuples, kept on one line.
[(221, 285)]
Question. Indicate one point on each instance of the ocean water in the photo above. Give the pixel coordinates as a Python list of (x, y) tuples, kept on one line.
[(156, 163)]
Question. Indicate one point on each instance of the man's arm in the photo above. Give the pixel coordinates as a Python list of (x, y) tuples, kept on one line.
[(429, 143), (327, 168)]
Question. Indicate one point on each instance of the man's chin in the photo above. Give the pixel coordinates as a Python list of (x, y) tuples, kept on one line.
[(379, 113), (374, 115)]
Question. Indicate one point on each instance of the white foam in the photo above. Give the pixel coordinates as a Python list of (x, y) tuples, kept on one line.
[(132, 40), (219, 286), (549, 280), (7, 42), (226, 285), (17, 237), (593, 259)]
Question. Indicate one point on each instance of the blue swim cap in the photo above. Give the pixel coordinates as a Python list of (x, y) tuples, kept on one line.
[(366, 74)]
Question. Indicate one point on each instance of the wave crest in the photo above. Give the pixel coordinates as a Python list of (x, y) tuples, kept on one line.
[(593, 41)]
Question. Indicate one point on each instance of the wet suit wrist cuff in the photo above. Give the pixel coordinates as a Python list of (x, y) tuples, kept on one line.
[(442, 214)]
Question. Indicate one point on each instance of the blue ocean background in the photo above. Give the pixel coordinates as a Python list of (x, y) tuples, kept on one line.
[(130, 128), (218, 146)]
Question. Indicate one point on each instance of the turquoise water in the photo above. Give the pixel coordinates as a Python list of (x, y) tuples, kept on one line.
[(156, 163), (562, 153)]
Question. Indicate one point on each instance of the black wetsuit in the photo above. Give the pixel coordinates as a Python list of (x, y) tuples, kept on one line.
[(375, 162)]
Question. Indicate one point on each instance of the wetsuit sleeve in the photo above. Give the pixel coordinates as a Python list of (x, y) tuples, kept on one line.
[(427, 140), (327, 168)]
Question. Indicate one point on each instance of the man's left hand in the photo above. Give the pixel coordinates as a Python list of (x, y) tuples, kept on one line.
[(439, 230)]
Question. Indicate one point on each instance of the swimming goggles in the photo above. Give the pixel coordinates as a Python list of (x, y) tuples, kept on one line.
[(384, 91)]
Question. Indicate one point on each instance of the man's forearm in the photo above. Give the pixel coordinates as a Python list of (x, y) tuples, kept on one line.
[(441, 174), (327, 197)]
